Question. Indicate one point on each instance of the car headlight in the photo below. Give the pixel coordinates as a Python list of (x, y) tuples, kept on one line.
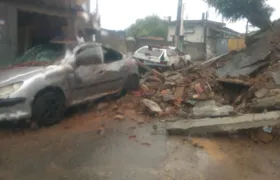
[(9, 89)]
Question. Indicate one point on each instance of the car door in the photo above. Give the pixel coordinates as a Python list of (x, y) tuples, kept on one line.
[(115, 70), (88, 77)]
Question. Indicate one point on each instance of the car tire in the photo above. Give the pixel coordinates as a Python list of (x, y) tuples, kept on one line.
[(48, 108), (132, 83)]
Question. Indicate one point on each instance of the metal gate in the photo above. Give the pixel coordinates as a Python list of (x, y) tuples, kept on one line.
[(236, 44), (222, 46)]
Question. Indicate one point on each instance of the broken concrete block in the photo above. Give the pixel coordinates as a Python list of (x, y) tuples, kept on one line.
[(169, 84), (210, 109), (273, 92), (190, 102), (174, 76), (183, 114), (224, 124), (102, 106), (261, 93), (201, 97), (119, 117), (272, 102), (167, 97), (153, 79), (144, 88), (276, 77), (154, 107)]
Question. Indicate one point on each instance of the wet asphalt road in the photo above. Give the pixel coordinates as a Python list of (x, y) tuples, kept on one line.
[(72, 150)]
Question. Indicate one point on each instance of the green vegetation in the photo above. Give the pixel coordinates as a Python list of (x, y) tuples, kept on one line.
[(257, 12), (148, 26)]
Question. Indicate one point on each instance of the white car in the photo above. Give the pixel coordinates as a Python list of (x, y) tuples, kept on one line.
[(162, 56)]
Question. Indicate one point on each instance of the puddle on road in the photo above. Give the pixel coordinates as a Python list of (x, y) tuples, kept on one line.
[(222, 158), (211, 147)]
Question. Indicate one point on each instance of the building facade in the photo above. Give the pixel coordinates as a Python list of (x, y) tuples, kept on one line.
[(25, 25), (204, 40)]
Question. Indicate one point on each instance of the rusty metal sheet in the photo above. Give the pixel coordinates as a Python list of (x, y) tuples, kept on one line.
[(247, 61)]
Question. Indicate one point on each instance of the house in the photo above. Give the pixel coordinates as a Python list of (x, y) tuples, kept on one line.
[(216, 40), (24, 25)]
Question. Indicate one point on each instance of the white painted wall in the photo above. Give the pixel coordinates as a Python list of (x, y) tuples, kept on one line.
[(171, 32), (197, 36)]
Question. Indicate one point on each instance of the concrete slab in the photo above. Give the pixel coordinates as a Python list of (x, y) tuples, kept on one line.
[(215, 125), (210, 109), (272, 102)]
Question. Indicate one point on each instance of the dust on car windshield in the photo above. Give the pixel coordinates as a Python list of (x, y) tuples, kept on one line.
[(41, 55), (150, 51)]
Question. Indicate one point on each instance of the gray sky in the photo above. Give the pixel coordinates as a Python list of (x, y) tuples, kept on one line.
[(119, 14)]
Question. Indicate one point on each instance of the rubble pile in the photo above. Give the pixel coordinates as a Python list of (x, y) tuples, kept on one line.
[(239, 82)]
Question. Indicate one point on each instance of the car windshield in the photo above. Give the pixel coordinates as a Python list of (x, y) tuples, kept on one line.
[(150, 52), (41, 55)]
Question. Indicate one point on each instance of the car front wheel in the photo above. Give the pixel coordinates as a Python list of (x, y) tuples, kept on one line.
[(48, 108)]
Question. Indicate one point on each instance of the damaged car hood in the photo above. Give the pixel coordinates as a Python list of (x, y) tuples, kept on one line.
[(17, 74)]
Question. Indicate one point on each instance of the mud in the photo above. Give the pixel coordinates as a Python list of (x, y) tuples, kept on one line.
[(134, 148)]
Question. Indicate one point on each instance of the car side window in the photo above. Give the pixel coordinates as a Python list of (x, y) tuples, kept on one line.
[(143, 50), (89, 55), (111, 55), (171, 52), (150, 52), (180, 53)]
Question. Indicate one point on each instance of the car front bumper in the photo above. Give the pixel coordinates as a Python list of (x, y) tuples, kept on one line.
[(13, 109)]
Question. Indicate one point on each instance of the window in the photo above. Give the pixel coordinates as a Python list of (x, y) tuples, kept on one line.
[(89, 55), (189, 30), (111, 55), (150, 52), (171, 52)]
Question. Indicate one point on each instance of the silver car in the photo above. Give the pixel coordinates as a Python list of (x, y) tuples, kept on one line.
[(43, 92)]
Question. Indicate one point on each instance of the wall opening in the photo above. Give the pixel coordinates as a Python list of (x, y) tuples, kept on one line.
[(38, 29)]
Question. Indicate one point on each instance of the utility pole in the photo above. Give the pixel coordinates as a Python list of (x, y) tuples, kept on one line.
[(205, 18), (88, 6), (97, 6), (178, 39), (247, 28), (97, 23)]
